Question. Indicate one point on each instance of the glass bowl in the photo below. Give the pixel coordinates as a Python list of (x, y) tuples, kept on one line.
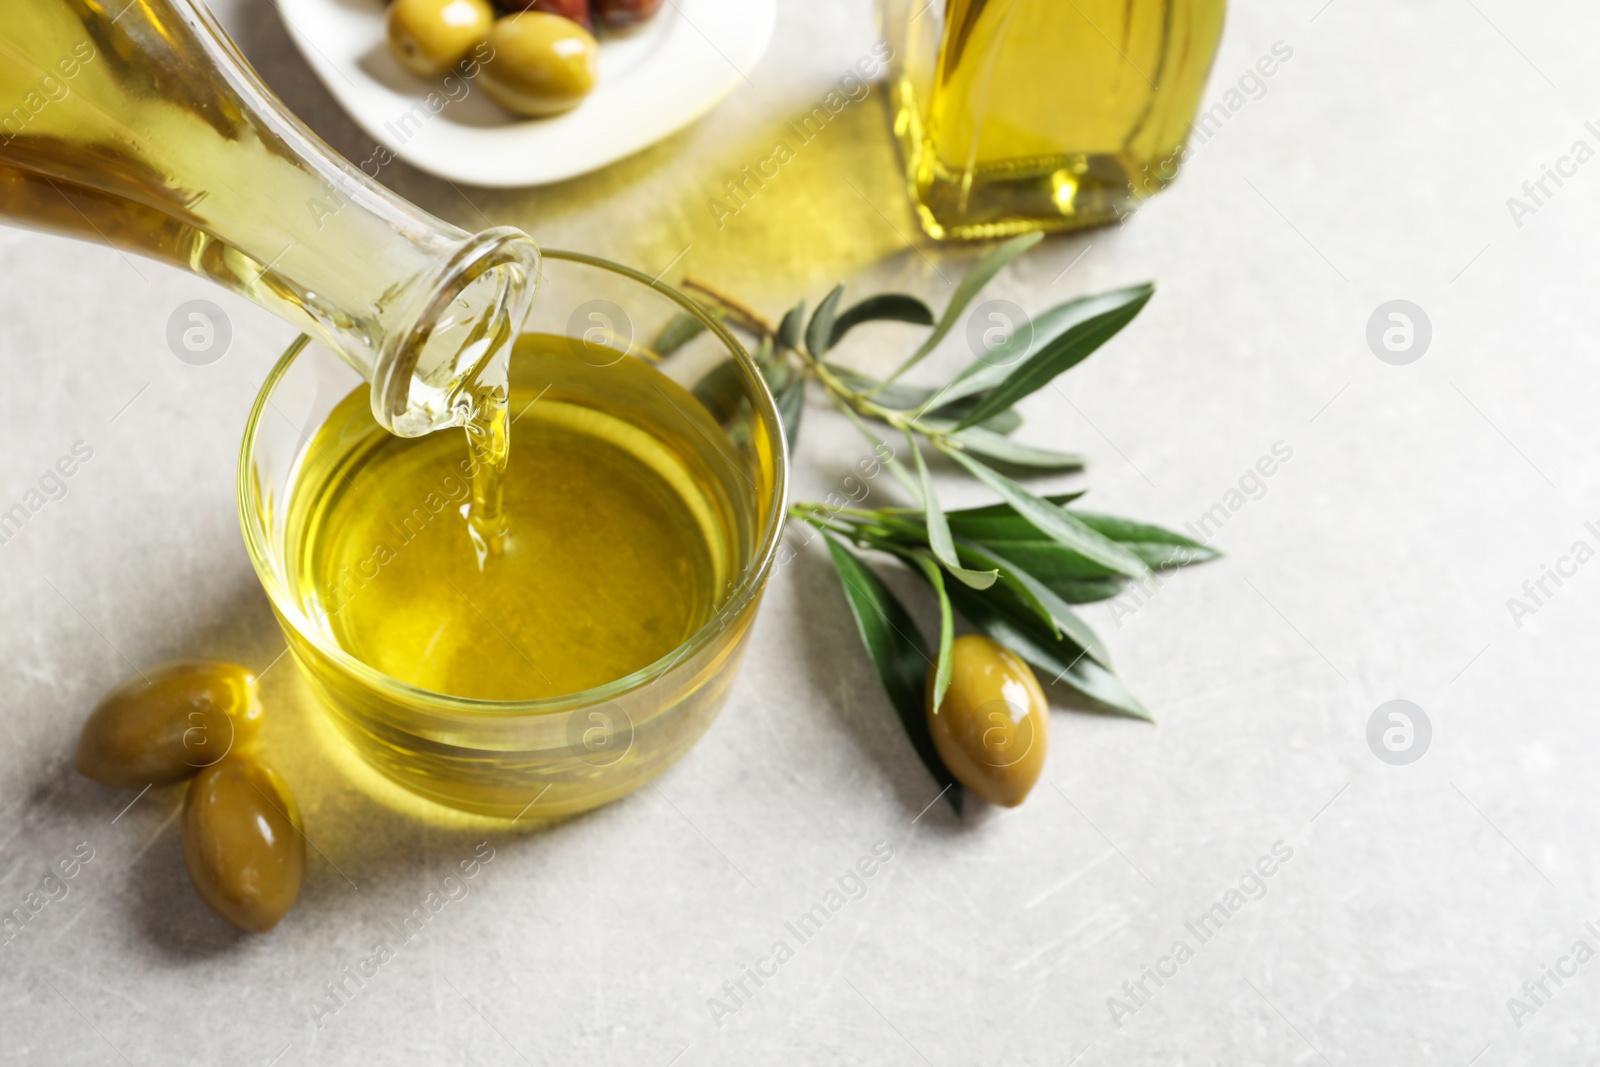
[(555, 756)]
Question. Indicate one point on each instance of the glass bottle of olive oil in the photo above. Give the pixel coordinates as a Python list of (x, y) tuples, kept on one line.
[(1019, 115), (137, 123)]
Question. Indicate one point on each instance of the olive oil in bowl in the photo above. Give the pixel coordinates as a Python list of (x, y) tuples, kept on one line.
[(620, 535), (573, 658)]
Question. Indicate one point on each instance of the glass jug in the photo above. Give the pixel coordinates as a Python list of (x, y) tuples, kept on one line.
[(1019, 115), (137, 123)]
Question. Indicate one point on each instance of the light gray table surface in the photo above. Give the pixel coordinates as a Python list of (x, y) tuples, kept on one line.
[(1375, 564)]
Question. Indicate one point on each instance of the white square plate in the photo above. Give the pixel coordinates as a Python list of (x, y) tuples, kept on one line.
[(654, 80)]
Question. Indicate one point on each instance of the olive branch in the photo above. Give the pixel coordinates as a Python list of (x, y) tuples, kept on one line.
[(1013, 569)]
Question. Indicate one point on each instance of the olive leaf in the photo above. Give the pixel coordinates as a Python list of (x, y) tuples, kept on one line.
[(897, 307), (1003, 423), (898, 533), (941, 673), (1051, 561), (679, 331), (1054, 521), (939, 539), (821, 327), (1045, 329), (1001, 522), (1063, 621), (1094, 322), (763, 356), (789, 329), (898, 652), (991, 445), (722, 390), (981, 274), (1157, 546), (1085, 590), (911, 398), (791, 401)]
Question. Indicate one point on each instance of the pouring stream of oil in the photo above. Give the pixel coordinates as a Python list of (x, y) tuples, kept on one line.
[(606, 542)]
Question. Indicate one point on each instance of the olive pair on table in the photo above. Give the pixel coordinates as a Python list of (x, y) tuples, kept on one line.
[(540, 59), (200, 719)]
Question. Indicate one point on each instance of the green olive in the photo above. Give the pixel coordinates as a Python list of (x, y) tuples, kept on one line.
[(167, 723), (993, 727), (242, 842), (542, 64), (429, 37)]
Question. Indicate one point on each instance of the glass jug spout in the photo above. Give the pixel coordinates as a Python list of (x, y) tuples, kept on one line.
[(137, 123)]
